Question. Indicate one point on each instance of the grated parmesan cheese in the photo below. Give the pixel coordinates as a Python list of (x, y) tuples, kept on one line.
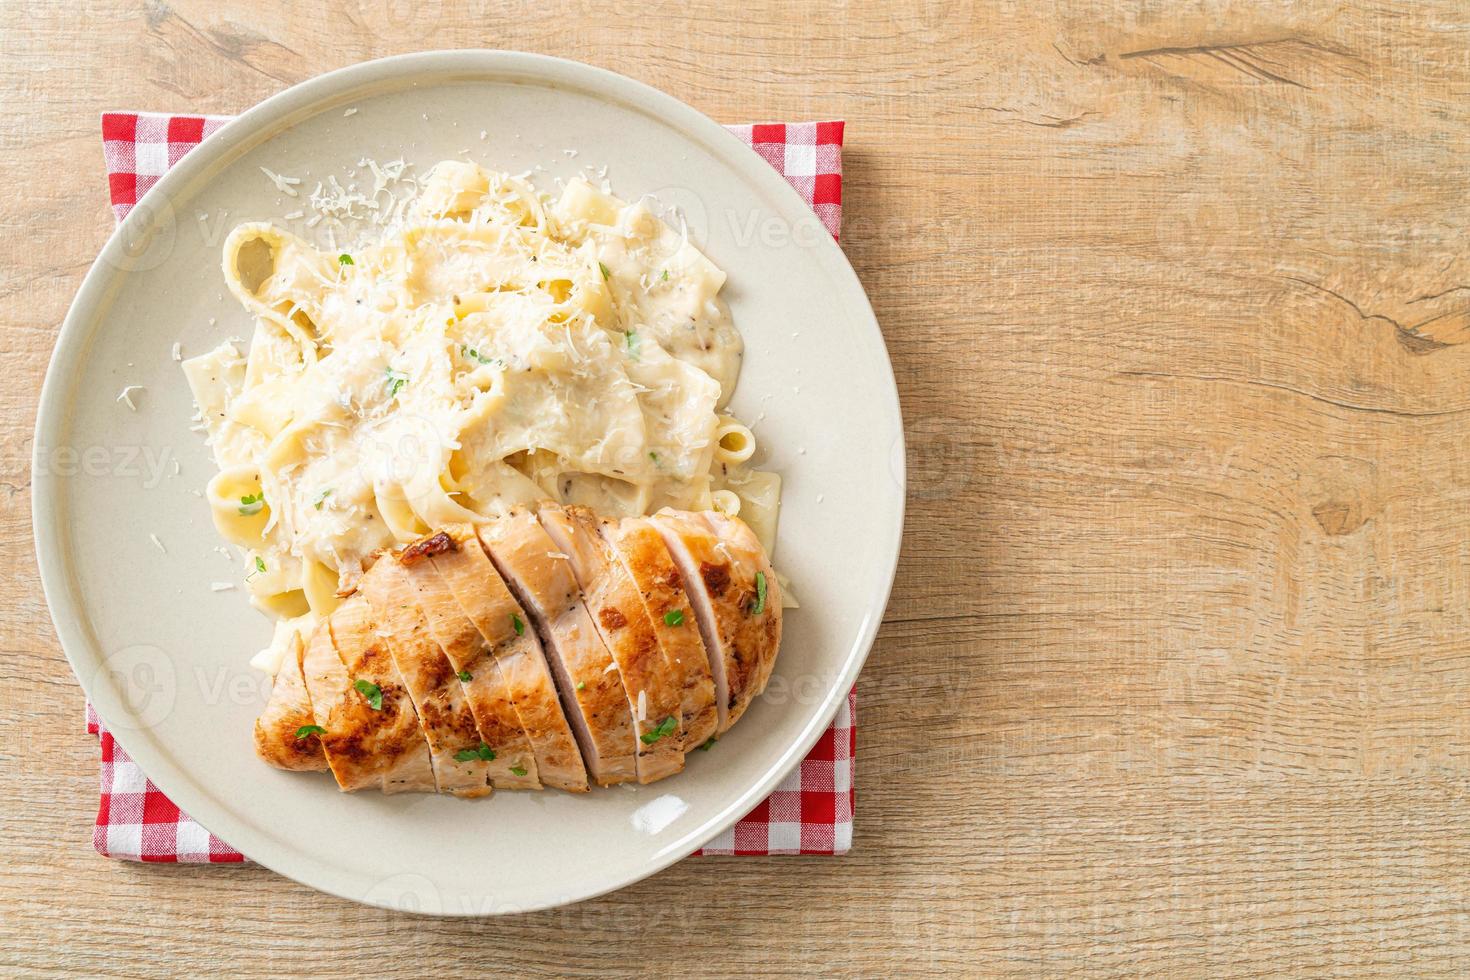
[(126, 396), (286, 185)]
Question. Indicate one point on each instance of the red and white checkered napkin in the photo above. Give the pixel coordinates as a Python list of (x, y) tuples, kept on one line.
[(809, 813)]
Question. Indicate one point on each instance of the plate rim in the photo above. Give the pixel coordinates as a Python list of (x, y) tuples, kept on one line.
[(47, 509)]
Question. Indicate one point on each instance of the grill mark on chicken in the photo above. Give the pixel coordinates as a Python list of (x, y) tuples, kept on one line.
[(716, 578), (434, 544)]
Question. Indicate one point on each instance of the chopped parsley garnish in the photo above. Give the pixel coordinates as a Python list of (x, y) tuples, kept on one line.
[(674, 617), (395, 381), (466, 676), (344, 259), (518, 770), (321, 498), (306, 730), (372, 692), (475, 355), (633, 342), (760, 594), (517, 625), (653, 456), (665, 727), (605, 274), (581, 685), (709, 743), (664, 277), (251, 503), (484, 752), (259, 567)]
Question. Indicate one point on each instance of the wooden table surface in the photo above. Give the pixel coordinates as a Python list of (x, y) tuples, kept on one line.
[(1175, 673)]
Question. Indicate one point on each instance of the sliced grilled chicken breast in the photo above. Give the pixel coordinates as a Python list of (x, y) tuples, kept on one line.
[(596, 703), (737, 602), (504, 748), (541, 649), (553, 757), (432, 682), (641, 549), (366, 745), (612, 598), (287, 712)]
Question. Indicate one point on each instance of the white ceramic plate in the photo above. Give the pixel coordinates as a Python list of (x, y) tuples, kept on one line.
[(163, 657)]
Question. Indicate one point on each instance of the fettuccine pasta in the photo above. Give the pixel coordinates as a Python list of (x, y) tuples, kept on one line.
[(491, 348)]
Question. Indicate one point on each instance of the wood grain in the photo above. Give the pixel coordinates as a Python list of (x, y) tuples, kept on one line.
[(1175, 674)]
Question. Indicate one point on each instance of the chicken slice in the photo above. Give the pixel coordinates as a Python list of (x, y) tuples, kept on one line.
[(612, 598), (366, 746), (287, 713), (509, 761), (642, 551), (756, 635), (327, 683), (736, 599), (592, 692), (432, 682), (483, 597)]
